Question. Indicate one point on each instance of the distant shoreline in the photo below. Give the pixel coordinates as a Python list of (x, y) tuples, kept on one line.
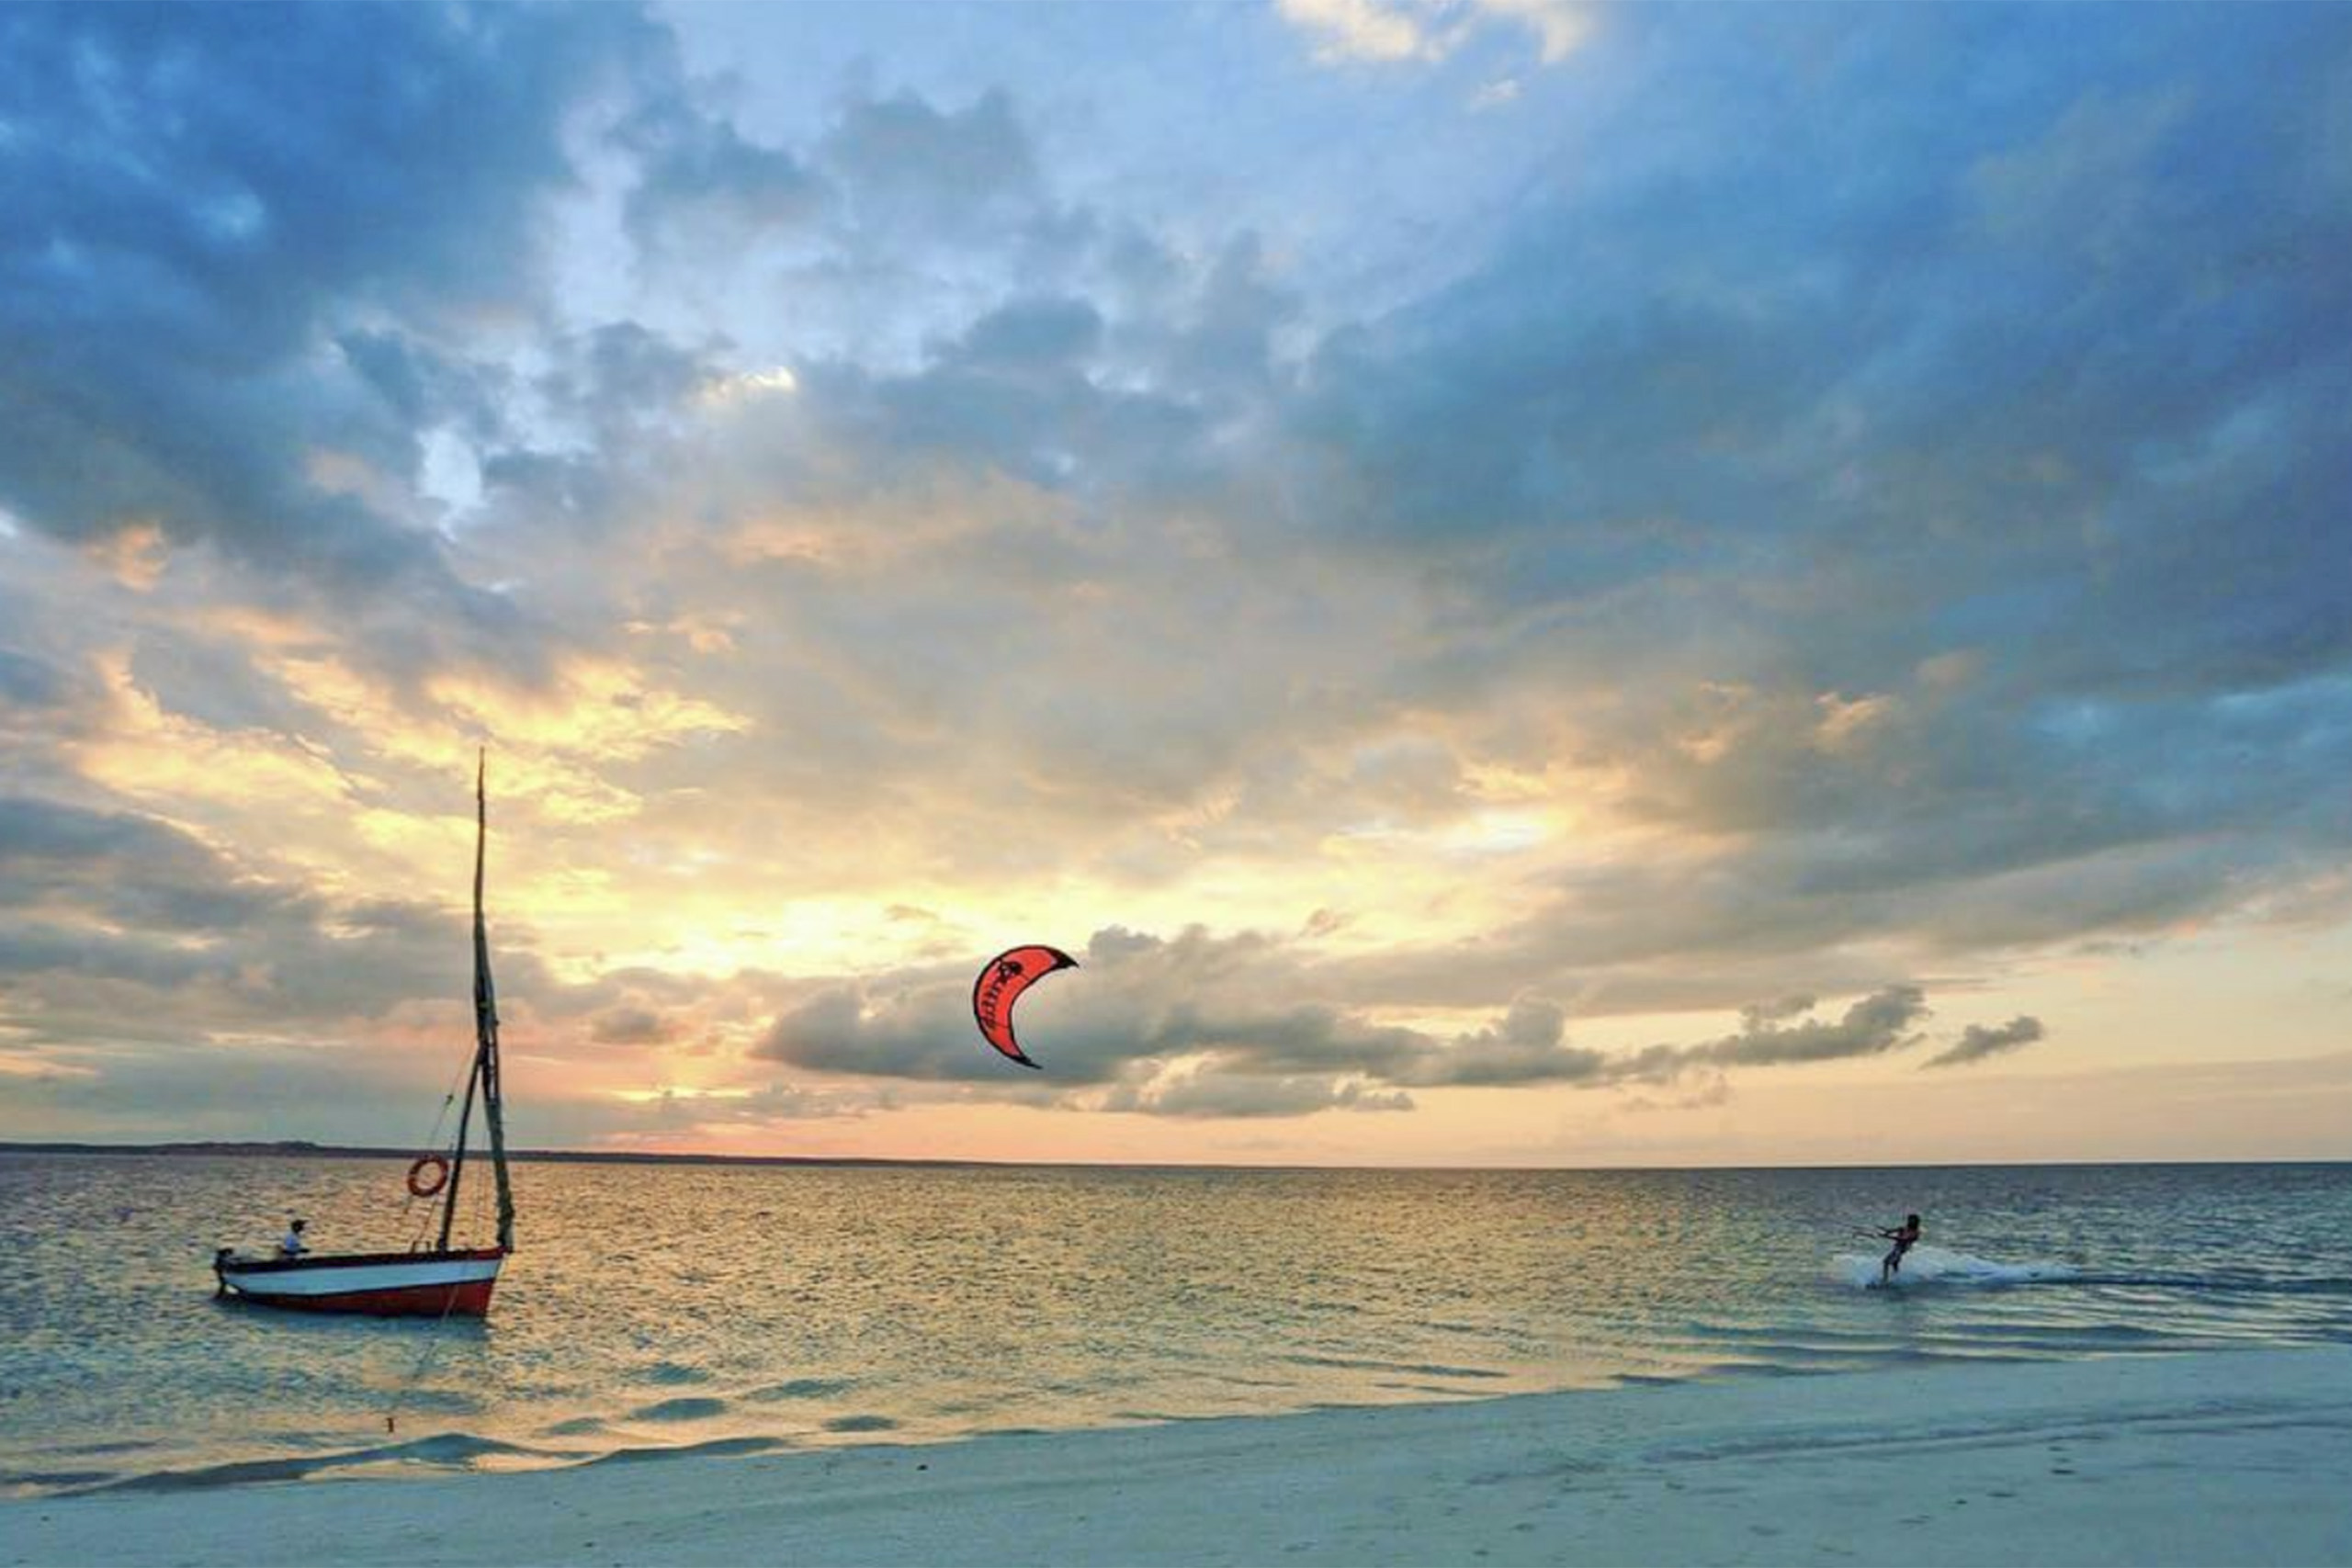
[(297, 1148)]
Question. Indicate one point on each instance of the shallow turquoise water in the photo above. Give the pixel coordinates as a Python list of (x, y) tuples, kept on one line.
[(661, 1307)]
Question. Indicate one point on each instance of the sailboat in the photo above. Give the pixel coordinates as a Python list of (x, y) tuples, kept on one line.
[(445, 1281)]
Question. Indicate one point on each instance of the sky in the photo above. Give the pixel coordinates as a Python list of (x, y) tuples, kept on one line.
[(1521, 584)]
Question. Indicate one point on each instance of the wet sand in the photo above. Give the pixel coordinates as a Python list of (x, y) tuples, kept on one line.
[(2223, 1457)]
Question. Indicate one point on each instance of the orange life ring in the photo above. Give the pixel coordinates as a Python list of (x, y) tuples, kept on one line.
[(417, 1185)]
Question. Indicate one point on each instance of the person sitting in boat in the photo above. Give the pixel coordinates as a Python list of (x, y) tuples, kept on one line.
[(291, 1243)]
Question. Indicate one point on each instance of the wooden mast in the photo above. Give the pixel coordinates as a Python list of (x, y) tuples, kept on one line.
[(484, 1076), (494, 1108)]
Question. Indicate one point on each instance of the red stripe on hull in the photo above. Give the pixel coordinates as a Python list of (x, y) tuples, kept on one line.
[(468, 1298)]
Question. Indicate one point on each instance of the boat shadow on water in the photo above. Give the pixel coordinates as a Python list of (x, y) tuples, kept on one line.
[(328, 1328)]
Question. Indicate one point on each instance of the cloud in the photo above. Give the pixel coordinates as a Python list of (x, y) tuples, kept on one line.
[(1734, 569), (1526, 1047), (30, 683), (1496, 94), (1561, 27), (118, 927), (132, 872), (1980, 1041), (630, 1026), (1876, 1024), (167, 295), (701, 184), (1758, 1016), (1144, 999), (904, 164), (326, 1093), (1180, 1025), (1389, 31), (1363, 29), (1216, 1092)]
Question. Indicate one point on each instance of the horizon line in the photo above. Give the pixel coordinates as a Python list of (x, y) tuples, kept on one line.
[(300, 1148)]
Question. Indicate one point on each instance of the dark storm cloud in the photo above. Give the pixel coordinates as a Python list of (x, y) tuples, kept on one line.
[(1979, 1041)]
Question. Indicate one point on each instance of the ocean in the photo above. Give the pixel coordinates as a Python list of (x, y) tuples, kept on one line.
[(651, 1309)]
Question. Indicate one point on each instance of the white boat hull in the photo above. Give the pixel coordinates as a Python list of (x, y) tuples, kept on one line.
[(382, 1284)]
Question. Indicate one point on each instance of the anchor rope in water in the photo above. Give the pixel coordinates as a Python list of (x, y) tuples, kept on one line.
[(424, 1364), (401, 1391)]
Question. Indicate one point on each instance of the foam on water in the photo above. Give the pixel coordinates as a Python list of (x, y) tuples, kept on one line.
[(1936, 1266)]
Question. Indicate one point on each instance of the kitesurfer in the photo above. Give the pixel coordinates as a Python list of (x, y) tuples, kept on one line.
[(291, 1243), (1905, 1237)]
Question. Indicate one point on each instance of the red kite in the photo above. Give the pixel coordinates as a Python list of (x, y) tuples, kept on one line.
[(1001, 981)]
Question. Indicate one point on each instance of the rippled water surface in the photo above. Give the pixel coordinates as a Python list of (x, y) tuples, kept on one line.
[(737, 1306)]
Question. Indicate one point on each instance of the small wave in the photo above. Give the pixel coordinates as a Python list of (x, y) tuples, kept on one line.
[(53, 1478), (452, 1449), (716, 1446), (1433, 1391), (2233, 1283), (800, 1388), (861, 1424), (686, 1407), (1423, 1369), (1934, 1266)]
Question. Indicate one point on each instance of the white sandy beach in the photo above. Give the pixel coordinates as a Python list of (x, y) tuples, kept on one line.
[(2226, 1458)]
